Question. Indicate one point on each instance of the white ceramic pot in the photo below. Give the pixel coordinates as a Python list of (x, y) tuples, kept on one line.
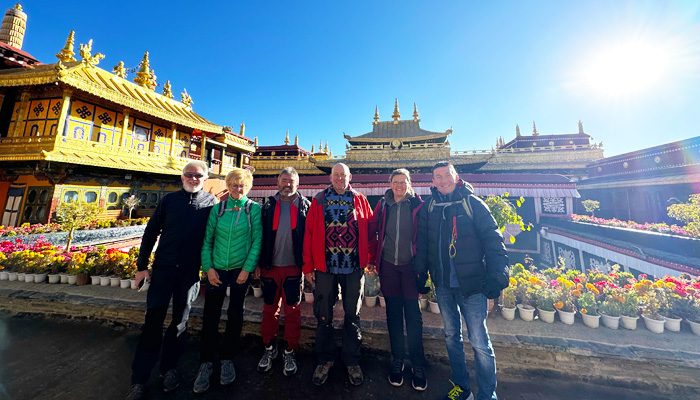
[(132, 284), (382, 301), (309, 297), (609, 321), (64, 278), (629, 322), (591, 321), (527, 313), (546, 316), (672, 324), (39, 278), (370, 301), (423, 303), (72, 279), (54, 278), (508, 313), (434, 308), (566, 317), (4, 275), (114, 281), (12, 276), (654, 325), (257, 292), (20, 276), (694, 327), (29, 278), (94, 280), (104, 281), (125, 283)]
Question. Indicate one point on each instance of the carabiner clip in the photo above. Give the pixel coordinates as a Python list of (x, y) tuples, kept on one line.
[(453, 248)]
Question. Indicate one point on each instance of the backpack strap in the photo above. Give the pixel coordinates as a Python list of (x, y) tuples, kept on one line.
[(464, 202)]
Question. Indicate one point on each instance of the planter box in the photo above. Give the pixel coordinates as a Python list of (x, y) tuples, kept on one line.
[(83, 238)]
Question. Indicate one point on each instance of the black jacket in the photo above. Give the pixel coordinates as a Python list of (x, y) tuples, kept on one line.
[(480, 262), (180, 218), (269, 235)]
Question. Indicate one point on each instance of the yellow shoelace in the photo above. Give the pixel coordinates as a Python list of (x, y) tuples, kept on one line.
[(455, 392)]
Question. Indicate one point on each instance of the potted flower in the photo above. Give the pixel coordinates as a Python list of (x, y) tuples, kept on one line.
[(4, 273), (588, 307), (524, 292), (652, 301), (508, 299), (564, 296), (257, 287), (308, 293), (546, 297), (610, 307), (371, 287), (629, 307), (127, 273), (432, 300), (57, 265), (693, 316)]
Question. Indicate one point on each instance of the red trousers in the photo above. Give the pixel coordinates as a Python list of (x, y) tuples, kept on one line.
[(281, 283)]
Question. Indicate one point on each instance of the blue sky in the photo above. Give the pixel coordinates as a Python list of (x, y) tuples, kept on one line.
[(630, 70)]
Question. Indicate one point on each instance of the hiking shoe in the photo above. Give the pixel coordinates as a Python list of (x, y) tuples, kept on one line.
[(228, 373), (419, 381), (290, 363), (321, 373), (459, 393), (136, 392), (170, 381), (396, 373), (201, 383), (355, 375), (266, 361)]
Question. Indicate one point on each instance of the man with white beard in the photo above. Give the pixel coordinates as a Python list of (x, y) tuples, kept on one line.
[(180, 219)]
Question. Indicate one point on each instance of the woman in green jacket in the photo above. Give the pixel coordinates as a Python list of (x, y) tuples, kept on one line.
[(230, 253)]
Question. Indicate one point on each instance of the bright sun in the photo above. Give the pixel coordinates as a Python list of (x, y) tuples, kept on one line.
[(626, 69)]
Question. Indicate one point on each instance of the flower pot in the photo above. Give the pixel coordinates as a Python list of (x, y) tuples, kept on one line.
[(114, 281), (526, 312), (64, 278), (20, 276), (12, 276), (654, 325), (423, 303), (257, 291), (309, 297), (566, 317), (125, 283), (132, 284), (382, 301), (546, 316), (434, 308), (694, 327), (39, 278), (82, 279), (629, 322), (591, 321), (672, 324), (54, 278), (72, 279), (370, 301), (104, 281), (508, 313), (95, 280), (29, 278), (4, 275), (610, 321)]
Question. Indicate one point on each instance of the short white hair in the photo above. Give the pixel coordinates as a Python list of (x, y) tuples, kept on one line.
[(198, 164)]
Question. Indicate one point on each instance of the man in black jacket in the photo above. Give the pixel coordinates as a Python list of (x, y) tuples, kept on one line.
[(180, 219), (461, 244), (284, 222)]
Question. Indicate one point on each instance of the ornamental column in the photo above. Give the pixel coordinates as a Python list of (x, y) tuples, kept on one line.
[(24, 99), (172, 140), (63, 116)]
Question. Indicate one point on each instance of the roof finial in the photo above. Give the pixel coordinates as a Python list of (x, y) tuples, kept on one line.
[(256, 140), (320, 146), (312, 148), (168, 89), (119, 70), (242, 131), (580, 127), (186, 98), (286, 139), (396, 114), (517, 130), (325, 150), (152, 80), (143, 77), (376, 115), (66, 53), (296, 140), (330, 152), (415, 113), (534, 129), (86, 53)]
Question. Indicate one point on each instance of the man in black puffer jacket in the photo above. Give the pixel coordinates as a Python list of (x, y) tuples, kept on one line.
[(461, 245), (180, 219)]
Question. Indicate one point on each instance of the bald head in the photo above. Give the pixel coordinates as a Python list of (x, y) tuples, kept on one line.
[(340, 177)]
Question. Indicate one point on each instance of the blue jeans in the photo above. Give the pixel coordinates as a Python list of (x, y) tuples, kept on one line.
[(453, 305)]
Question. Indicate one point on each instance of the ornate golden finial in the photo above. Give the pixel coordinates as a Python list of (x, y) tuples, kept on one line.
[(580, 127), (286, 139), (242, 131), (152, 79), (396, 114), (415, 113), (376, 115), (143, 77), (312, 148), (325, 150), (119, 70), (18, 7), (168, 89), (66, 54), (534, 129), (88, 59), (186, 99), (60, 68), (256, 140), (517, 130), (330, 152), (296, 140), (320, 146)]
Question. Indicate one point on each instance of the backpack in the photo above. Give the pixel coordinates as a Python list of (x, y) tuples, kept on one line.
[(222, 209), (465, 203)]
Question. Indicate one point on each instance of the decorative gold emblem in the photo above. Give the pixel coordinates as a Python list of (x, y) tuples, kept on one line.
[(167, 90), (66, 53), (86, 53), (186, 99), (119, 70)]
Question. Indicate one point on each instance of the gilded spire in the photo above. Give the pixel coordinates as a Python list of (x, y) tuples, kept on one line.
[(242, 133), (186, 98), (396, 114), (256, 140), (320, 146), (517, 130), (330, 152), (66, 53), (168, 89), (143, 77), (296, 140), (312, 148), (325, 149), (13, 26), (376, 115), (152, 83), (119, 70), (415, 113), (86, 53), (580, 127), (534, 129), (286, 139)]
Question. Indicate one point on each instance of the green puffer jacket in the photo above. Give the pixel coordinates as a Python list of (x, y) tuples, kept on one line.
[(229, 246)]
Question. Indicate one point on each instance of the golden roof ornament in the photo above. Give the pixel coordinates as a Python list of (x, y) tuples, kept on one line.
[(186, 99), (580, 127), (320, 146), (286, 139), (534, 129), (325, 149), (168, 89), (376, 115), (256, 141), (330, 152), (517, 130), (296, 140), (143, 76), (66, 53), (312, 148), (152, 83), (242, 131), (86, 53), (396, 114), (415, 113), (119, 70), (60, 68)]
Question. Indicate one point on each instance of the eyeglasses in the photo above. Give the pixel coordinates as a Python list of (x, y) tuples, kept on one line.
[(191, 175), (399, 183)]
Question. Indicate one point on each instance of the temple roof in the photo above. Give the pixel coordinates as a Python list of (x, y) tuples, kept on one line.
[(21, 58), (408, 129)]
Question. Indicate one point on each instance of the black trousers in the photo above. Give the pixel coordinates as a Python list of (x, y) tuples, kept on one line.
[(325, 295), (181, 284), (213, 301)]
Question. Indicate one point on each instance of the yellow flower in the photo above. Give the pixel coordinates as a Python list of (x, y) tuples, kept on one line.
[(512, 281), (584, 311), (534, 280), (568, 283)]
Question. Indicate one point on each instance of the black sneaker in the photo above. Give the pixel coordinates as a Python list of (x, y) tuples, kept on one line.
[(321, 373), (228, 373), (396, 373), (170, 381), (266, 361), (290, 363), (201, 383), (419, 381), (459, 393), (136, 392), (355, 375)]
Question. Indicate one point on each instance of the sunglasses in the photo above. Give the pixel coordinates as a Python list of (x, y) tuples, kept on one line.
[(193, 175)]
